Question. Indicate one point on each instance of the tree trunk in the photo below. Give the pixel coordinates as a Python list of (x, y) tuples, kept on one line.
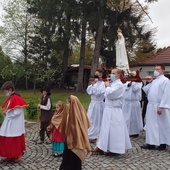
[(95, 59), (82, 55), (65, 61), (26, 52), (65, 55), (34, 87)]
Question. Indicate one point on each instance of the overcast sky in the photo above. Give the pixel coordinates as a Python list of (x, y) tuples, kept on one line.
[(160, 15)]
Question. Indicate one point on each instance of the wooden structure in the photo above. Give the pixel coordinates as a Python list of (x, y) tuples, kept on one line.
[(72, 76)]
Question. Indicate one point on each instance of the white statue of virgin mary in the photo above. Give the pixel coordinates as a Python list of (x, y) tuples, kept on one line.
[(121, 55)]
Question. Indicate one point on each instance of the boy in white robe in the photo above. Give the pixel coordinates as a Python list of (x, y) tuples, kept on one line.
[(132, 108), (95, 110), (114, 137), (12, 131), (158, 111)]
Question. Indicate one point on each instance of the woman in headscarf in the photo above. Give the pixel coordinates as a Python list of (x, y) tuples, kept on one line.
[(77, 142), (56, 129)]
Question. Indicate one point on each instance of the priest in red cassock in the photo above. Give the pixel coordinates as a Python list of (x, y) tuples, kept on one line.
[(12, 139)]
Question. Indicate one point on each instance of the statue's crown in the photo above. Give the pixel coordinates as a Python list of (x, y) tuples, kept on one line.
[(119, 30)]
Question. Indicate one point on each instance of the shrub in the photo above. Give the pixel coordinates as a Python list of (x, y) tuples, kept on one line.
[(32, 112)]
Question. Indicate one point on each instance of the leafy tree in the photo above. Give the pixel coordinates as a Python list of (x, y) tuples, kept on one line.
[(96, 23), (127, 15), (12, 71), (4, 62), (58, 25), (4, 59), (82, 53), (75, 56), (17, 25), (144, 52)]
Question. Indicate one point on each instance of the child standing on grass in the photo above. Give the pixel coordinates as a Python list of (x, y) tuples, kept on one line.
[(57, 129)]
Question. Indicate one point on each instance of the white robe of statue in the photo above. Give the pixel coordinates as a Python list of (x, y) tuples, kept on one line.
[(121, 55)]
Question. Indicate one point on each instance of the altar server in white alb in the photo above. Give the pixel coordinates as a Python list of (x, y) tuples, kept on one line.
[(132, 106), (158, 111), (95, 110), (12, 131), (114, 137)]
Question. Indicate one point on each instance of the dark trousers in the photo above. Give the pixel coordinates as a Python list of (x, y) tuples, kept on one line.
[(43, 130), (70, 161), (144, 110)]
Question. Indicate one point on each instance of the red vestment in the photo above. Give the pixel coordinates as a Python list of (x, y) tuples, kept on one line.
[(12, 146)]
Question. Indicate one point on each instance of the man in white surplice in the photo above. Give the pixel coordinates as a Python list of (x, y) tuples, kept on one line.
[(114, 137), (95, 110), (121, 54), (158, 111), (132, 108)]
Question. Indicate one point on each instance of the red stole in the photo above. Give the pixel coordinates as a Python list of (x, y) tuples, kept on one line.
[(14, 101)]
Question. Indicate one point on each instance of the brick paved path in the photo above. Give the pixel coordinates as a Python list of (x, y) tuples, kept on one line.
[(39, 157)]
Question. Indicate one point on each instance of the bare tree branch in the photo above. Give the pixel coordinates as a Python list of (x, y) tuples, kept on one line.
[(144, 10)]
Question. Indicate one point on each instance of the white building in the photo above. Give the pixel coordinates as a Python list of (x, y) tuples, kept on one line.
[(147, 67)]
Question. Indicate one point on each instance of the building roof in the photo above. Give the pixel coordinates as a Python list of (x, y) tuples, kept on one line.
[(76, 67), (162, 57)]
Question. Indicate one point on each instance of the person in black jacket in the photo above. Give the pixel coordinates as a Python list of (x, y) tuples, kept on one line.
[(145, 101)]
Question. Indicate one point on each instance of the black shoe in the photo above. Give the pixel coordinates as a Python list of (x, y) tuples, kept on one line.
[(161, 147), (134, 136), (97, 151), (111, 154), (147, 146), (92, 140)]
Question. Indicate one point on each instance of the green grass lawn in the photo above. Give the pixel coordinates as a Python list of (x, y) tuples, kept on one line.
[(56, 95)]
